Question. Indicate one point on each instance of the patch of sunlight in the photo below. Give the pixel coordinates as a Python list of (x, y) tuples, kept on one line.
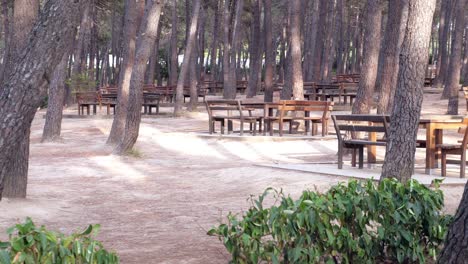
[(287, 151), (118, 169), (241, 150), (181, 143)]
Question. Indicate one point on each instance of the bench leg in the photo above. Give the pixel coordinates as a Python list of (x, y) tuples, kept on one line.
[(340, 156), (462, 165), (444, 164), (270, 127), (95, 109), (361, 157), (242, 127), (222, 127)]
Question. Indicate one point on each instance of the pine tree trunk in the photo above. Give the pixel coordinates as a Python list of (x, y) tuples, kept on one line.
[(452, 81), (296, 54), (444, 50), (153, 62), (455, 250), (214, 43), (414, 55), (189, 48), (465, 59), (269, 53), (131, 25), (25, 13), (145, 45), (174, 63), (25, 86), (394, 34), (310, 40), (53, 122), (320, 43), (255, 51), (363, 103)]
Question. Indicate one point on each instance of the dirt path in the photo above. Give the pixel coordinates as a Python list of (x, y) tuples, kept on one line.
[(157, 208)]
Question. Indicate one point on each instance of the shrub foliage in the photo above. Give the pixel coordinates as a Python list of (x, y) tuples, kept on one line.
[(29, 244), (361, 222)]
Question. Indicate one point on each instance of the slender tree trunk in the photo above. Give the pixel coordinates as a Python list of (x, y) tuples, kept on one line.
[(452, 81), (363, 102), (131, 25), (184, 71), (25, 86), (444, 50), (145, 45), (194, 73), (153, 62), (235, 47), (465, 59), (296, 54), (394, 34), (320, 43), (214, 43), (255, 51), (174, 63), (53, 122), (341, 36), (7, 35), (270, 60), (414, 55)]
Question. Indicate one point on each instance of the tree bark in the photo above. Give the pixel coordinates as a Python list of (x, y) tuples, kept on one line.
[(444, 50), (255, 51), (189, 48), (214, 43), (145, 45), (153, 65), (25, 85), (394, 34), (363, 103), (452, 81), (131, 25), (455, 250), (25, 13), (414, 55), (269, 53), (296, 54), (174, 63), (321, 36), (53, 122)]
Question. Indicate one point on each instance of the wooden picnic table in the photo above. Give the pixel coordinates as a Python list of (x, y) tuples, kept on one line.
[(435, 126)]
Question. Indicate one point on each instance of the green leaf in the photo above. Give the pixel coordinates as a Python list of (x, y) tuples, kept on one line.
[(4, 257)]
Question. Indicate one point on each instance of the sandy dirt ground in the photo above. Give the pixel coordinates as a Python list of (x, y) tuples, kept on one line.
[(158, 206)]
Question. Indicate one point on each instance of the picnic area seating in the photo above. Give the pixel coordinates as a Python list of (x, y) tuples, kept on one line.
[(86, 100), (201, 93), (227, 111), (455, 149), (290, 111), (350, 130), (347, 78)]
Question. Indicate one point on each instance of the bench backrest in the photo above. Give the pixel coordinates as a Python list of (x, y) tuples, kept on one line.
[(354, 124), (87, 97), (227, 107), (305, 106)]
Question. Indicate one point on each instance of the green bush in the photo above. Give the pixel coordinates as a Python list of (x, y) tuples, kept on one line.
[(29, 244), (361, 222)]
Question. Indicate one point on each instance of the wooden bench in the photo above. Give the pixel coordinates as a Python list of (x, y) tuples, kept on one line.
[(347, 78), (349, 134), (295, 110), (455, 149), (151, 101), (86, 100), (201, 93), (226, 111), (109, 100)]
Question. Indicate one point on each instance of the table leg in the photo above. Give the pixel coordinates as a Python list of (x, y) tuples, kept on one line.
[(372, 150), (438, 152), (430, 148)]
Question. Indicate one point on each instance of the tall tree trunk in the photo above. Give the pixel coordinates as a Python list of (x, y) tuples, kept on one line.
[(255, 62), (154, 60), (25, 13), (189, 48), (327, 51), (174, 63), (235, 42), (444, 44), (320, 43), (341, 36), (414, 55), (465, 58), (452, 81), (53, 122), (363, 102), (214, 43), (194, 73), (455, 250), (7, 35), (25, 85), (270, 54), (131, 25), (311, 39), (394, 34), (145, 45), (296, 54)]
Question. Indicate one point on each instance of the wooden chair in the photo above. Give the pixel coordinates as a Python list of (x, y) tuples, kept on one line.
[(349, 134), (455, 149), (226, 111), (86, 100)]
